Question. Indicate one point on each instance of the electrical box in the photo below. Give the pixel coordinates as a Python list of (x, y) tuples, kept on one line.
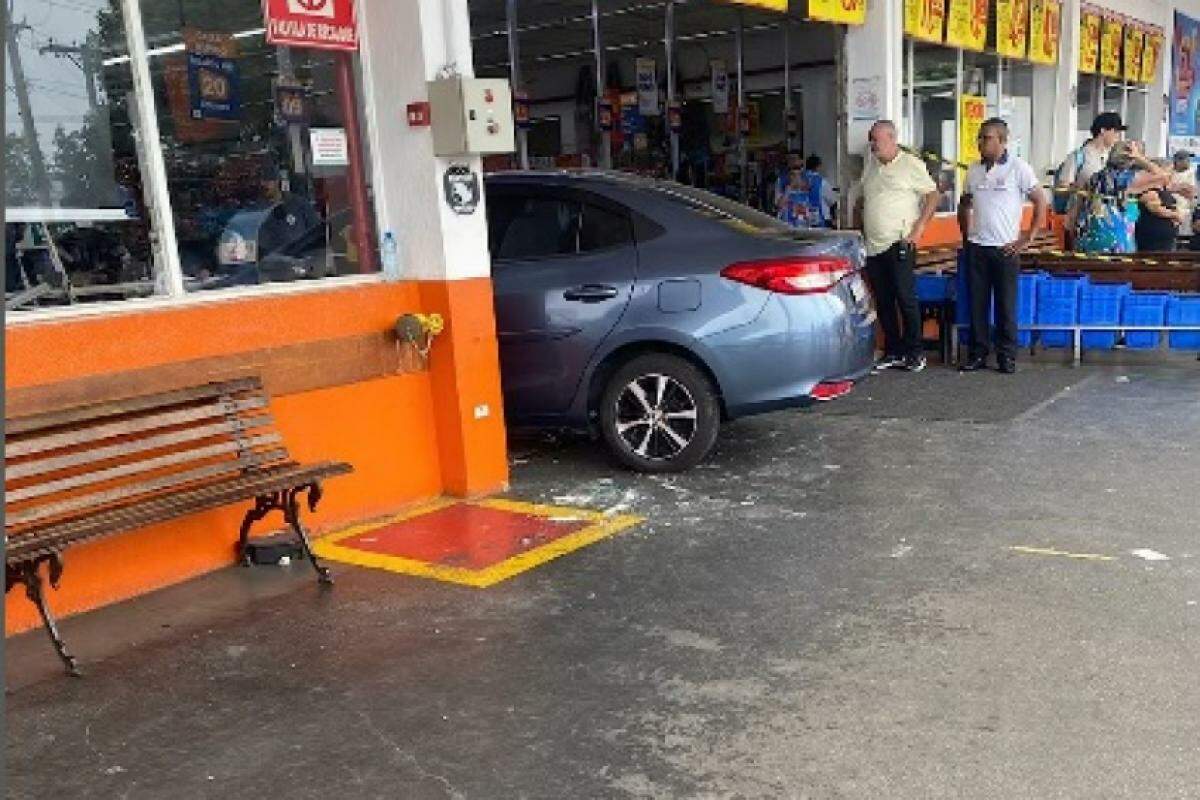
[(471, 116)]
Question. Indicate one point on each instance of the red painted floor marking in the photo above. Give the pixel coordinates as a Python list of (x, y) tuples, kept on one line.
[(464, 536)]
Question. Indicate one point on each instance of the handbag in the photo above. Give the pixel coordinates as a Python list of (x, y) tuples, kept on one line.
[(1107, 221)]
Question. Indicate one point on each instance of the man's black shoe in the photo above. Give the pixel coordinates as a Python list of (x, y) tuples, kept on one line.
[(1007, 366), (974, 365)]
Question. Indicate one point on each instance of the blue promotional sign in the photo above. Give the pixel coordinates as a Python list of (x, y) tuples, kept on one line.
[(213, 87), (1184, 91), (632, 121)]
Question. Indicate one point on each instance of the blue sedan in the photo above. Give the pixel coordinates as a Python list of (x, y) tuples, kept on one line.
[(649, 312)]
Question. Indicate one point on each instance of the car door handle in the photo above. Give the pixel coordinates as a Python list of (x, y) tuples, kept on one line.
[(590, 293)]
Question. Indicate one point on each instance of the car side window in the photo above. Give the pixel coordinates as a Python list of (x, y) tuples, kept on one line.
[(527, 227), (604, 228)]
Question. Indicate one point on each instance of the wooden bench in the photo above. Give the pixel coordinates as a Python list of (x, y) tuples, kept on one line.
[(97, 470)]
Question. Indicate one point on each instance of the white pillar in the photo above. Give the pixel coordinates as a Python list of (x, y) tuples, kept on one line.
[(404, 45), (871, 55), (604, 161), (1055, 91), (874, 52)]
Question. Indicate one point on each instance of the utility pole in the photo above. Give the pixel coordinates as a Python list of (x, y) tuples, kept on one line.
[(37, 164), (87, 61)]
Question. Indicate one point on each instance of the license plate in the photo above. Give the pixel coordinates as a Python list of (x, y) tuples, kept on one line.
[(858, 289)]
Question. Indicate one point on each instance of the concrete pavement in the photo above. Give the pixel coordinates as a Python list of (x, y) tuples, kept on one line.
[(831, 608)]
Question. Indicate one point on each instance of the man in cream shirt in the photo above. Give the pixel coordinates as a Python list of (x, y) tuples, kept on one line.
[(897, 199)]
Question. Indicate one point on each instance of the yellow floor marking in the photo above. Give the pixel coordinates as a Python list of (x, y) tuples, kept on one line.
[(1046, 551), (601, 526)]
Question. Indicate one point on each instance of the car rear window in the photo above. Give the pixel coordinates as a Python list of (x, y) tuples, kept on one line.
[(532, 227), (524, 226), (603, 228)]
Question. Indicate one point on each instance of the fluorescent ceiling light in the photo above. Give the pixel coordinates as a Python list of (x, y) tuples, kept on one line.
[(177, 48)]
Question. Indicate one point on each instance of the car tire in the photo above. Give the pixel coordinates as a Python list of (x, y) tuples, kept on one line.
[(659, 413)]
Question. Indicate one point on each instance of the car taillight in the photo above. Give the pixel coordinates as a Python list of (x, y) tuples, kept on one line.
[(831, 390), (798, 275)]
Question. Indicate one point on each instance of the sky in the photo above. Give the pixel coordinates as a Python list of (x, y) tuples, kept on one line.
[(57, 92)]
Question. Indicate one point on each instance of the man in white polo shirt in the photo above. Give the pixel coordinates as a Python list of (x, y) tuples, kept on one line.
[(989, 216)]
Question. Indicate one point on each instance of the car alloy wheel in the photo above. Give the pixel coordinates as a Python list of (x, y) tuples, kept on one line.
[(656, 416), (660, 413)]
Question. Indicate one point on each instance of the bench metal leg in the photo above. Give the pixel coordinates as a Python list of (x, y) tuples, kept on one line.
[(288, 502), (29, 574), (291, 513), (262, 507)]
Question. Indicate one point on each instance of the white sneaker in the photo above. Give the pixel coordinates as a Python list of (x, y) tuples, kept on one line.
[(888, 362)]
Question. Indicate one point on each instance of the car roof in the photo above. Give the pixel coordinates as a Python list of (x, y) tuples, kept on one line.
[(611, 178), (656, 197)]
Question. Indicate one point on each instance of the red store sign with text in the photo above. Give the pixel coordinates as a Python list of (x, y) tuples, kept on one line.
[(324, 24)]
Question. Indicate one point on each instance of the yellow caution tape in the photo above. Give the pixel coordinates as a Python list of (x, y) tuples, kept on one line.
[(925, 155)]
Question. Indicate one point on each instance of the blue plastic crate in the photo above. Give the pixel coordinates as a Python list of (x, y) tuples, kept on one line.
[(1058, 304), (1144, 308), (1100, 304), (1184, 309), (1027, 283), (933, 288), (962, 302)]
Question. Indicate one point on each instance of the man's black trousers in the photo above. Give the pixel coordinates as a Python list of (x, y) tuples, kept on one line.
[(992, 273), (895, 286)]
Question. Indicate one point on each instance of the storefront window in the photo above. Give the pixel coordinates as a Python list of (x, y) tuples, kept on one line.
[(256, 151), (981, 78), (1086, 102), (1016, 105), (1097, 94), (932, 110), (77, 225), (1135, 111), (249, 181), (1113, 97), (936, 79)]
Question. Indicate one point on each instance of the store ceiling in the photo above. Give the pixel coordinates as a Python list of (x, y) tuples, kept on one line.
[(561, 31)]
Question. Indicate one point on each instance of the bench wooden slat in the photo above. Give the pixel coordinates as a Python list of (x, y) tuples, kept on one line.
[(44, 466), (48, 531), (130, 405), (134, 468), (57, 441), (108, 497), (57, 536)]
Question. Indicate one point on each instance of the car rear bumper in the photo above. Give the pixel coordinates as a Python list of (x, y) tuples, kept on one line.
[(794, 344)]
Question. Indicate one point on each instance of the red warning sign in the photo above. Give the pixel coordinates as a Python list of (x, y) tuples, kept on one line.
[(323, 24)]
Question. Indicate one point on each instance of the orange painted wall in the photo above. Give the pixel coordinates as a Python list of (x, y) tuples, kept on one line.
[(942, 230), (392, 429)]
